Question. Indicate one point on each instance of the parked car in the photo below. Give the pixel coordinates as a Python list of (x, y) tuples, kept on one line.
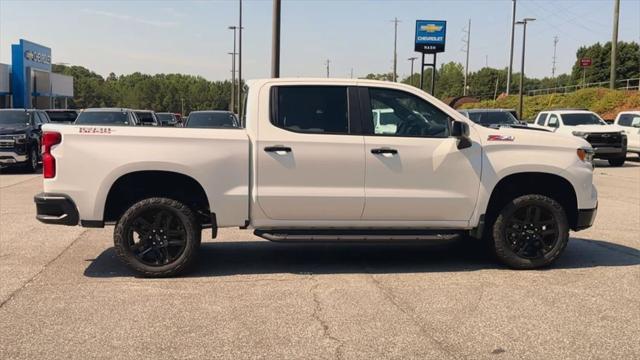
[(629, 121), (493, 117), (167, 119), (310, 167), (107, 116), (146, 118), (608, 141), (212, 119), (62, 116), (20, 135)]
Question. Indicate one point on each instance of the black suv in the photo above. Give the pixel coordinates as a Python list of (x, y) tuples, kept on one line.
[(20, 133)]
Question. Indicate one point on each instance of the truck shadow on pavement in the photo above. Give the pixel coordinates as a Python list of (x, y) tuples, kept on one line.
[(263, 257)]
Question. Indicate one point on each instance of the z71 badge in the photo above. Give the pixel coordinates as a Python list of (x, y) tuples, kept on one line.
[(94, 130)]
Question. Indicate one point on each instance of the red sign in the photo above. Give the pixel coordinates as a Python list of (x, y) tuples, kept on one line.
[(585, 62)]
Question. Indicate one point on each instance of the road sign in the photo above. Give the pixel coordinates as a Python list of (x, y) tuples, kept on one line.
[(430, 36), (585, 62)]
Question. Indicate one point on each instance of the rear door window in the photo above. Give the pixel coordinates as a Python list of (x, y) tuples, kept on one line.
[(311, 109)]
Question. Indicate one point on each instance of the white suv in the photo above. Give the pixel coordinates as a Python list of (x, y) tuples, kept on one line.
[(629, 121), (608, 141)]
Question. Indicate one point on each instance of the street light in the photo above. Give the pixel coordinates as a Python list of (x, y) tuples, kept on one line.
[(412, 59), (233, 69), (522, 22)]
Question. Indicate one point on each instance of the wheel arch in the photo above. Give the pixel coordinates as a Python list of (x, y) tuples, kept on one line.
[(137, 185), (522, 183)]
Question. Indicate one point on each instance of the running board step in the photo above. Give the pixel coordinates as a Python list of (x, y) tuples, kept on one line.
[(293, 235)]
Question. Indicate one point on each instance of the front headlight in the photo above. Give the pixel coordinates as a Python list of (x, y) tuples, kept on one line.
[(20, 138), (585, 154), (579, 133)]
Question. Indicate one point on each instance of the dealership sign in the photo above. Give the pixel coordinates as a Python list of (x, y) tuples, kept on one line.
[(38, 57), (585, 62), (430, 36)]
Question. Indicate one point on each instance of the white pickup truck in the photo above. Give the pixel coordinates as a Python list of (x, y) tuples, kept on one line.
[(308, 164)]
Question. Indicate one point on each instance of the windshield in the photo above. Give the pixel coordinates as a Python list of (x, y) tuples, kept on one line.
[(212, 120), (15, 117), (493, 118), (165, 117), (103, 118), (581, 119), (145, 118), (62, 116)]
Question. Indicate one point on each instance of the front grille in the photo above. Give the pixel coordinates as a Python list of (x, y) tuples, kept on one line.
[(6, 144), (605, 139)]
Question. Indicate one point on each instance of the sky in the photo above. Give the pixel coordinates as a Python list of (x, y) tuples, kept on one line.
[(192, 37)]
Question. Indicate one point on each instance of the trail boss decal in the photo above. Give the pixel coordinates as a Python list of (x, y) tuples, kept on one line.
[(500, 138), (94, 130)]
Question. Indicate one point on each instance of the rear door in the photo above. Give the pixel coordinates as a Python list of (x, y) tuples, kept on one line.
[(310, 156), (414, 169)]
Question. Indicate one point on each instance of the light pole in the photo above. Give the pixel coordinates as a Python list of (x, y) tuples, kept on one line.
[(513, 25), (394, 76), (239, 94), (233, 70), (412, 59), (522, 22), (275, 41)]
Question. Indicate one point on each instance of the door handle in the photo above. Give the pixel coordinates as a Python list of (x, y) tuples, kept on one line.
[(382, 151), (277, 148)]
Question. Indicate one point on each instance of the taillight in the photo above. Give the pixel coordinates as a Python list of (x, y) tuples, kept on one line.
[(49, 138)]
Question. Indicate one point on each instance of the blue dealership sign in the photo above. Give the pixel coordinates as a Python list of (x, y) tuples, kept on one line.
[(24, 57), (430, 36)]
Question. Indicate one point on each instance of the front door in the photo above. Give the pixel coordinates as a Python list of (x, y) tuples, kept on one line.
[(310, 166), (414, 169)]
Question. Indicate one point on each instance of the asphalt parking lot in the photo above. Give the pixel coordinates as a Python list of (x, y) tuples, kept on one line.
[(63, 294)]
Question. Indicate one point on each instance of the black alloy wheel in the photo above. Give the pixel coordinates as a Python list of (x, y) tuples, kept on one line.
[(157, 237), (530, 232)]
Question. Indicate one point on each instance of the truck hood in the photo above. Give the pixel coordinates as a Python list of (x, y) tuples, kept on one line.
[(595, 128), (10, 130)]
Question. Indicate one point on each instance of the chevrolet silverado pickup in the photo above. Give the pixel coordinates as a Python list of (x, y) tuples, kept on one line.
[(609, 142), (20, 131), (307, 163)]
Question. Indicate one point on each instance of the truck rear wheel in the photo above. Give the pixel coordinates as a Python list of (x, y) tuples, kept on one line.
[(157, 237), (530, 232)]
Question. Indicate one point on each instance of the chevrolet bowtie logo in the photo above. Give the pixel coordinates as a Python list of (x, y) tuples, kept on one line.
[(430, 28)]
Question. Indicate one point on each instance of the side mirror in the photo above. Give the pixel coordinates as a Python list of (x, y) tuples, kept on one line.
[(461, 131)]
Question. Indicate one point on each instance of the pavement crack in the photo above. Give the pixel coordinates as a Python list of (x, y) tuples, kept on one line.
[(35, 276), (388, 295), (20, 182), (326, 331)]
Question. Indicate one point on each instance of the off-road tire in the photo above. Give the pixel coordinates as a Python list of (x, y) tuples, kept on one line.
[(32, 160), (184, 261), (503, 251), (617, 162)]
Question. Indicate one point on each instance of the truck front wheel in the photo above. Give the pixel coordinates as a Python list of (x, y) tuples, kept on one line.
[(157, 237), (530, 232)]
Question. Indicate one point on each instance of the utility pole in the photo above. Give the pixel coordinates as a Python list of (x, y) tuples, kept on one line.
[(182, 113), (466, 64), (614, 44), (523, 22), (233, 70), (412, 59), (395, 22), (351, 73), (328, 62), (275, 41), (553, 66), (486, 60), (240, 60), (513, 29)]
